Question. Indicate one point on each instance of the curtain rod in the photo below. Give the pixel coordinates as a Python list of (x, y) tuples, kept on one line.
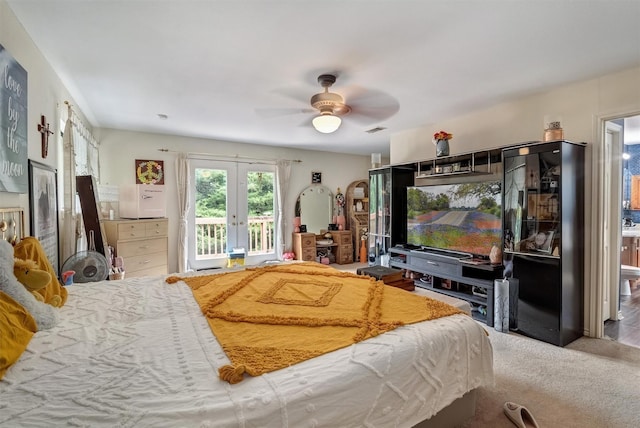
[(229, 157)]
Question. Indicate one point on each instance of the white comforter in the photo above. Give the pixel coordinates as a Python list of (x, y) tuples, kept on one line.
[(139, 353)]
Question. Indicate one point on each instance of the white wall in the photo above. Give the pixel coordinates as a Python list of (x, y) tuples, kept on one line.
[(119, 149), (46, 95), (578, 104)]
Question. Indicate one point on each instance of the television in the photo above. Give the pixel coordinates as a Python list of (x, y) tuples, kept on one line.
[(463, 219)]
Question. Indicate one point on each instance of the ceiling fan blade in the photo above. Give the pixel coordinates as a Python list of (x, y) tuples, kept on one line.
[(370, 105), (298, 93), (270, 113)]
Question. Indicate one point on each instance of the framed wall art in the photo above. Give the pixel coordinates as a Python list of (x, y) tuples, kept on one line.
[(13, 125), (149, 171), (43, 199)]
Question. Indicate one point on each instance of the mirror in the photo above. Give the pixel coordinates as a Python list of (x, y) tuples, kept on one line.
[(316, 207)]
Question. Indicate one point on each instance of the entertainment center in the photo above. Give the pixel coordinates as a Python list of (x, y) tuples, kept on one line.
[(456, 275), (524, 201)]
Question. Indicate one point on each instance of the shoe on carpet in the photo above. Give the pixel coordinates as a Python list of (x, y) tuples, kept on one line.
[(519, 415)]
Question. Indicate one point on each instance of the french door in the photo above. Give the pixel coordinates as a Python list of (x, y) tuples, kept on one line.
[(232, 205)]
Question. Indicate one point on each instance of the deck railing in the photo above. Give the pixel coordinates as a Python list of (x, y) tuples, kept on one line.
[(211, 236)]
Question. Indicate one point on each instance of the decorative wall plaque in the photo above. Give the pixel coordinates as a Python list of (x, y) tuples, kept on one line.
[(14, 168), (149, 171)]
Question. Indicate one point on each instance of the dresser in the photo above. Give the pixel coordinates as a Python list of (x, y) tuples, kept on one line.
[(305, 246), (344, 248), (142, 244)]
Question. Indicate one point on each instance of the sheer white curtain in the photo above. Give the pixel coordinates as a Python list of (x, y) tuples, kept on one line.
[(184, 187), (80, 157), (283, 174)]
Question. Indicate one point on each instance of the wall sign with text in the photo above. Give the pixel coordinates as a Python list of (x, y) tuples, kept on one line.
[(13, 125)]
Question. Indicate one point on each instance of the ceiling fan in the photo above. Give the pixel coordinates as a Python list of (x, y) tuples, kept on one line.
[(330, 105), (366, 106)]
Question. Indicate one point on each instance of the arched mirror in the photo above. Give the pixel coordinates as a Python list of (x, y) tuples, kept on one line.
[(316, 207)]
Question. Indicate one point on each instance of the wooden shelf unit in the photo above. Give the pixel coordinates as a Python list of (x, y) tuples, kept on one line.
[(357, 213)]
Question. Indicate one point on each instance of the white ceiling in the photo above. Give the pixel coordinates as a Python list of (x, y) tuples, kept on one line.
[(244, 70)]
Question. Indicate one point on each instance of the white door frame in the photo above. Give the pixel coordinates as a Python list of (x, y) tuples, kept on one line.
[(611, 289), (599, 279)]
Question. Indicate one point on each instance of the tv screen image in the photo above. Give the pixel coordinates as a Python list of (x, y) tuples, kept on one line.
[(465, 218)]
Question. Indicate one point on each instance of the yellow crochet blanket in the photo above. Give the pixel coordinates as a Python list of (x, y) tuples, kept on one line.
[(267, 318)]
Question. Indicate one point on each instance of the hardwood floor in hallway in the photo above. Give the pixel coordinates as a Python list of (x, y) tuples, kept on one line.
[(627, 330)]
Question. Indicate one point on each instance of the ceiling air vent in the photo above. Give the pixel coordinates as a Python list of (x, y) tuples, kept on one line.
[(376, 129)]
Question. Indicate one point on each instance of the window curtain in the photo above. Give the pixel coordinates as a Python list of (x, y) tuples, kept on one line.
[(183, 184), (283, 174), (80, 157)]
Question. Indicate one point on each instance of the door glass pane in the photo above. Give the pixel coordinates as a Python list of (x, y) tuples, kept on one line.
[(211, 213), (260, 209), (531, 203)]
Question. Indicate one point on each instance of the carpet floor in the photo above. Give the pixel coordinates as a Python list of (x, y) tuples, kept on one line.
[(591, 383)]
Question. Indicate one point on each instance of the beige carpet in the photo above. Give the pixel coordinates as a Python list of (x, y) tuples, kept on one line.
[(591, 383)]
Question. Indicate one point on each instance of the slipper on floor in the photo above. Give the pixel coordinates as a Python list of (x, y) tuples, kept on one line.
[(519, 415)]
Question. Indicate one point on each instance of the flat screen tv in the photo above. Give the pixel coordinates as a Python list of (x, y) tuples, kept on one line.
[(461, 218)]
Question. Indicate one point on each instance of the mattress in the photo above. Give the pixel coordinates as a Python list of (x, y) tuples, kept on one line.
[(139, 353)]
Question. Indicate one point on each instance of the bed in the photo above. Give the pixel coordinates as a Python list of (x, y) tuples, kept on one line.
[(139, 353)]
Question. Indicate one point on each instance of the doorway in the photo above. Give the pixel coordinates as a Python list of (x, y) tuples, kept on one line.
[(232, 207), (621, 306)]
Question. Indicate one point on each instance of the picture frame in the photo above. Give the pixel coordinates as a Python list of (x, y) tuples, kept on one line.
[(543, 241), (316, 177), (43, 200), (149, 171)]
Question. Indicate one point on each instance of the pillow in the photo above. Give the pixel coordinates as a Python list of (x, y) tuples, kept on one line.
[(30, 248), (16, 329)]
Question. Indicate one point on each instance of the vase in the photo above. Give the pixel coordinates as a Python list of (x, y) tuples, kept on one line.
[(442, 148), (363, 251), (495, 255)]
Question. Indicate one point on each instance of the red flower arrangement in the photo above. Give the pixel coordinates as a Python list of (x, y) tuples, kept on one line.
[(442, 135)]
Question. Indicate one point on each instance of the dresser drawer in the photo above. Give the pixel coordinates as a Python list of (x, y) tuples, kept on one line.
[(141, 247), (308, 241), (131, 230), (309, 254), (344, 254), (145, 261), (149, 271), (345, 258), (156, 228), (344, 239)]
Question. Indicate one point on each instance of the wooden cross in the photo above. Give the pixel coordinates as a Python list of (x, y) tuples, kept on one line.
[(45, 131)]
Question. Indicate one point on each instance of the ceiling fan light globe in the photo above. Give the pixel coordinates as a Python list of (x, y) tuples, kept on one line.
[(326, 123)]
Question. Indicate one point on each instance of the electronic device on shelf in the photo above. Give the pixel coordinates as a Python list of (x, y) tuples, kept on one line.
[(463, 218)]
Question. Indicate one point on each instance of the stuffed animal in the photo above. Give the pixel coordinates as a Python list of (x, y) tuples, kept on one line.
[(46, 316), (29, 274)]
